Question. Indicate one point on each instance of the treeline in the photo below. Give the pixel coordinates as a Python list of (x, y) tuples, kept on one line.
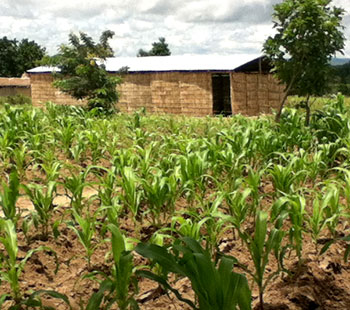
[(16, 57), (340, 79)]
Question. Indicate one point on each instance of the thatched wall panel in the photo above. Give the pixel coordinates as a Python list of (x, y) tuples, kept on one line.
[(43, 91), (254, 93), (178, 93), (11, 91)]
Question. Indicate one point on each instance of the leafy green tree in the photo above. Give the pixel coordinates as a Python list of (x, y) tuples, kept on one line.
[(82, 71), (17, 57), (158, 49), (308, 34)]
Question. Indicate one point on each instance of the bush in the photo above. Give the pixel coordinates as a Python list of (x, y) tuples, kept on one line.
[(16, 100)]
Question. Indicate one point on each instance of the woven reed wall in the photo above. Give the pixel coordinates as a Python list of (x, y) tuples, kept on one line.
[(11, 91), (196, 96), (43, 91), (254, 94), (177, 93), (168, 92)]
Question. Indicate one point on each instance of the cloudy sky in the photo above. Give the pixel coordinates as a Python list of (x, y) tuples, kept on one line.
[(189, 26)]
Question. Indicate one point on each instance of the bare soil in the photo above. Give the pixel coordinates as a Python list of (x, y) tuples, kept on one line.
[(320, 282)]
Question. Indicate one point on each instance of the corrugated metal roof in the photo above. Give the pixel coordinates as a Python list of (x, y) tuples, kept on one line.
[(170, 63), (14, 82)]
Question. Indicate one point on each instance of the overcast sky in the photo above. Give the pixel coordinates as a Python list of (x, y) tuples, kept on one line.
[(189, 26)]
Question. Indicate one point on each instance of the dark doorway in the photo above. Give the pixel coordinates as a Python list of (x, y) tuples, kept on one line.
[(221, 94)]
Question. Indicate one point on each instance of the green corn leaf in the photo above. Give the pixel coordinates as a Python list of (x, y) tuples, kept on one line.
[(96, 298), (118, 244)]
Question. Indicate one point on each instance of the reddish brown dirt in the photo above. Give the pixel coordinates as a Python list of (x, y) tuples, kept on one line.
[(321, 282)]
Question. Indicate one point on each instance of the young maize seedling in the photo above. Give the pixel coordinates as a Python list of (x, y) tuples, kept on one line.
[(132, 194), (9, 196), (75, 184), (193, 168), (66, 134), (42, 198), (292, 207), (115, 287), (332, 207), (318, 221), (19, 155), (186, 227), (260, 247), (11, 271), (159, 196), (85, 229), (284, 177), (51, 168), (215, 287)]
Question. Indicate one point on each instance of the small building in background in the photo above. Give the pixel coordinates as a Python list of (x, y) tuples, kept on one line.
[(189, 85), (15, 86)]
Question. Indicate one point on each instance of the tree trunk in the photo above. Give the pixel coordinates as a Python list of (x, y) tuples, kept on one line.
[(279, 113), (308, 111)]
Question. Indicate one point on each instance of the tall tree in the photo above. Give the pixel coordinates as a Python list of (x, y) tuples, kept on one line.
[(17, 57), (308, 34), (82, 72), (160, 48)]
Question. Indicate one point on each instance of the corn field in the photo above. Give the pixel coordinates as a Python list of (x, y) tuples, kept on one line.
[(139, 211)]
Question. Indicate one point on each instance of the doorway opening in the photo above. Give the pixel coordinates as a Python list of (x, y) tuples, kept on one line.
[(221, 94)]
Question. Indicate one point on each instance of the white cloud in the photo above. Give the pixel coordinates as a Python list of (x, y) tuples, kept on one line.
[(189, 26)]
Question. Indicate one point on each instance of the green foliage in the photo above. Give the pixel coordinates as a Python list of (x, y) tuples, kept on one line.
[(260, 246), (203, 178), (158, 49), (339, 80), (85, 229), (15, 100), (42, 198), (18, 57), (216, 287), (82, 72), (9, 196), (309, 32), (114, 287), (10, 270)]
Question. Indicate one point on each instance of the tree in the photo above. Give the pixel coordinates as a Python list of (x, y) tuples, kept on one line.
[(17, 57), (308, 33), (82, 71), (158, 49)]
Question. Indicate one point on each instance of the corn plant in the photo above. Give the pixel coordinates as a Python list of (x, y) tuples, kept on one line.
[(66, 134), (74, 187), (188, 227), (215, 287), (132, 193), (253, 181), (317, 221), (332, 207), (42, 198), (193, 168), (292, 207), (107, 187), (95, 142), (10, 271), (160, 194), (9, 196), (238, 208), (284, 177), (20, 158), (85, 229), (51, 169), (260, 247), (114, 288)]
